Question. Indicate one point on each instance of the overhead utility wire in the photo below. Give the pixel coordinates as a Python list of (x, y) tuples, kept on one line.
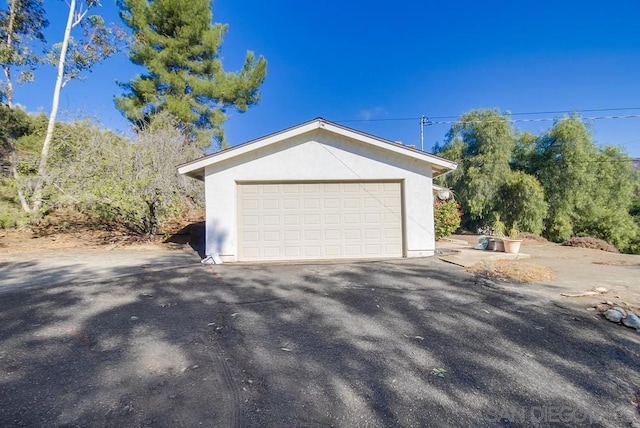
[(510, 114), (593, 110), (540, 119)]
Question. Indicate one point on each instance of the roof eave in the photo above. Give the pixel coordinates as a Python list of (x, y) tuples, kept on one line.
[(195, 168)]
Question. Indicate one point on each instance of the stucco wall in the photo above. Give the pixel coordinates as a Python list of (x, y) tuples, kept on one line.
[(318, 155)]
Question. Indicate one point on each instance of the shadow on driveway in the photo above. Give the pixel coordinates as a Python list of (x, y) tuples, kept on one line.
[(349, 344)]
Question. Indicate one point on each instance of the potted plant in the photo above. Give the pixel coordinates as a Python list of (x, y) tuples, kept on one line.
[(512, 243), (497, 235)]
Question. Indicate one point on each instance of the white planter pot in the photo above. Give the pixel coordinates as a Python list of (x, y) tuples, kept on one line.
[(512, 246)]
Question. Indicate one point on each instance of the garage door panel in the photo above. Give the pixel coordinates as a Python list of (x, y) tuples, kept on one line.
[(331, 203), (372, 218), (272, 252), (352, 218), (352, 203), (271, 204), (332, 234), (272, 236), (291, 204), (250, 204), (293, 252), (372, 234), (250, 236), (353, 250), (311, 203), (390, 202), (311, 219), (251, 220), (373, 249), (351, 234), (271, 220), (286, 221), (332, 219), (250, 189), (333, 251), (391, 233), (270, 188), (312, 235), (314, 252), (291, 220), (292, 235), (291, 188), (372, 187)]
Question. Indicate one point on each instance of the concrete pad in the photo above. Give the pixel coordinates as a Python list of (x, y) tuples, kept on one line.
[(453, 251)]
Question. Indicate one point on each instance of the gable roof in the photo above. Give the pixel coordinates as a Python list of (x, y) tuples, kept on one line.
[(195, 168)]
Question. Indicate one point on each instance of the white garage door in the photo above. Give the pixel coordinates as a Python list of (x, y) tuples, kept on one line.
[(293, 221)]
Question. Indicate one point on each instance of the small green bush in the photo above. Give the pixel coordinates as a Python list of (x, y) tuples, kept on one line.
[(12, 217), (447, 218)]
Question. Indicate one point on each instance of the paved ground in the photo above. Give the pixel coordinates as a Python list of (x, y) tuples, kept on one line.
[(158, 340), (576, 269)]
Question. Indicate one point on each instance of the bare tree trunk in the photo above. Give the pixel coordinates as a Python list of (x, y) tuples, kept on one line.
[(13, 156), (13, 168), (8, 93), (7, 69), (44, 156)]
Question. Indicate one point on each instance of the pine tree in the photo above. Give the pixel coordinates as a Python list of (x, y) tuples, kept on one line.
[(179, 46)]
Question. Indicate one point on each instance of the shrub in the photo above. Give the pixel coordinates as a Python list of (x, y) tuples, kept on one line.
[(130, 184), (447, 218), (590, 242)]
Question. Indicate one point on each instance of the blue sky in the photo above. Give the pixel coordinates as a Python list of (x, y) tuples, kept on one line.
[(378, 66)]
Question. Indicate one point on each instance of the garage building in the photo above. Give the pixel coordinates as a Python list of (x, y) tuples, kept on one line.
[(316, 191)]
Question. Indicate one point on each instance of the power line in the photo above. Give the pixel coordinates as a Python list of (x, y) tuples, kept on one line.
[(439, 122), (555, 112), (540, 119)]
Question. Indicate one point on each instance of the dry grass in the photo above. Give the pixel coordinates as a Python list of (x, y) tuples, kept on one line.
[(512, 271), (589, 242), (615, 263), (532, 237)]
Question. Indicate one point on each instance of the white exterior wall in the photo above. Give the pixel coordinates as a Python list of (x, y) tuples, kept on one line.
[(318, 156)]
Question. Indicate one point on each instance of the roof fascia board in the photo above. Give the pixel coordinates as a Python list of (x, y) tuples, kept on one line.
[(390, 145), (189, 168)]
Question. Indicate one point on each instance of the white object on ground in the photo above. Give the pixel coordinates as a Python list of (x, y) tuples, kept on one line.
[(632, 320), (613, 315), (212, 260)]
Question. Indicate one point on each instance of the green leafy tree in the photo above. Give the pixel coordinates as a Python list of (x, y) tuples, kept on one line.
[(482, 143), (178, 44), (521, 201), (21, 24), (589, 190), (565, 156), (14, 123), (609, 216), (523, 158)]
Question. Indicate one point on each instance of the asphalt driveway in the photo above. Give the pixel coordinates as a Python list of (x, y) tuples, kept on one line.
[(395, 343)]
